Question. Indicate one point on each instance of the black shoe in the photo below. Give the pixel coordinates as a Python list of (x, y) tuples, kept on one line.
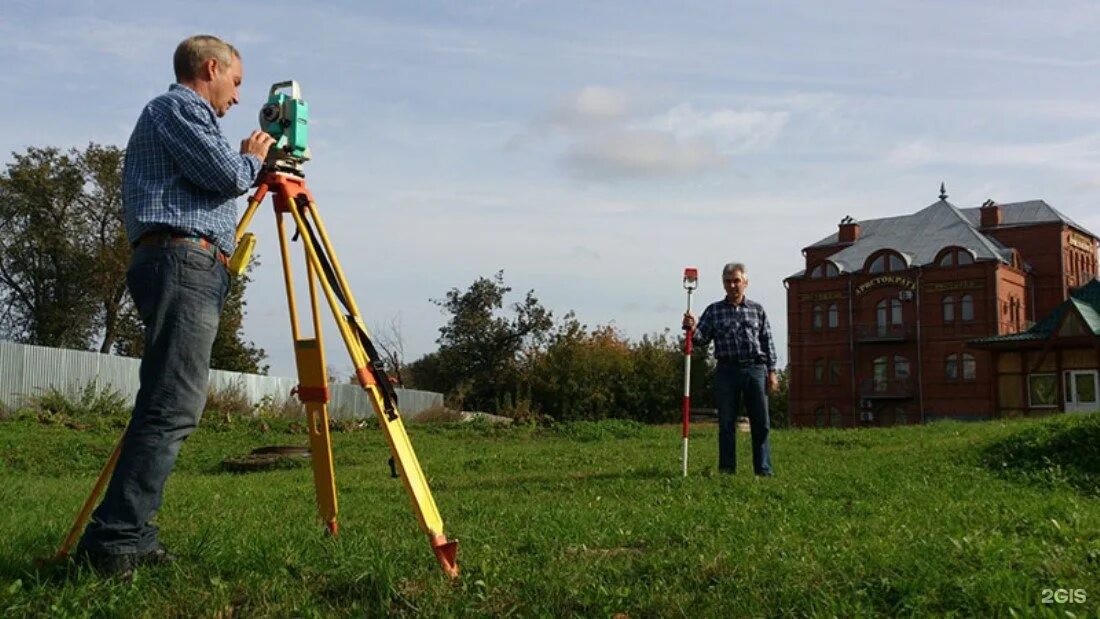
[(119, 566), (156, 556)]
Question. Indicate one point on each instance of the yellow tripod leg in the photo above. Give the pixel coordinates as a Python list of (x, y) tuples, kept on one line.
[(312, 390), (354, 334), (89, 503)]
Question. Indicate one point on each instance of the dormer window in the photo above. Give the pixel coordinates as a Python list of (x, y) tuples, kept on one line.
[(824, 270), (886, 262), (954, 256)]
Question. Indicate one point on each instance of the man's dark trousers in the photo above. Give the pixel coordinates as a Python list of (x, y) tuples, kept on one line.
[(179, 290), (734, 383)]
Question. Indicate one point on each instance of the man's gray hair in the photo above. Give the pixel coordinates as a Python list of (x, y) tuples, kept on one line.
[(194, 51), (732, 267)]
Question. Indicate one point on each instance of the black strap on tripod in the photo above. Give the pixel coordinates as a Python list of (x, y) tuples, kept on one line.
[(374, 364)]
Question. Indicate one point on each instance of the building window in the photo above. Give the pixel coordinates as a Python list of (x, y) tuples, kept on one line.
[(966, 307), (819, 371), (901, 367), (1042, 390), (834, 316), (881, 367), (819, 417), (887, 312), (834, 417), (954, 256), (970, 368), (825, 269), (949, 309), (834, 372), (951, 367), (818, 315), (886, 262)]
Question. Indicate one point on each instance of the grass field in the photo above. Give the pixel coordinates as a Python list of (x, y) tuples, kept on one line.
[(587, 520)]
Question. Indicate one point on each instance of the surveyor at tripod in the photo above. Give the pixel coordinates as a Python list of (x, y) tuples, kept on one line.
[(179, 184), (745, 351)]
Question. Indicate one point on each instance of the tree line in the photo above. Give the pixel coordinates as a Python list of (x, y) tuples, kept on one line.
[(518, 361), (64, 255)]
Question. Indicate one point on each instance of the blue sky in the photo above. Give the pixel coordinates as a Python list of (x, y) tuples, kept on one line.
[(592, 150)]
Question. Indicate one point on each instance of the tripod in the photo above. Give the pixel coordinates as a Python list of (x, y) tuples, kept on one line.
[(291, 197)]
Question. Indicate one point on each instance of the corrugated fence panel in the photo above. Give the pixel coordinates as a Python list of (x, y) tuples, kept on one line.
[(28, 370)]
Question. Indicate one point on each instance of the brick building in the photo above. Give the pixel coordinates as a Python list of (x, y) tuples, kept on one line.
[(879, 319)]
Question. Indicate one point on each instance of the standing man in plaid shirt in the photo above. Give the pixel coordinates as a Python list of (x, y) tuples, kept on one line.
[(745, 351), (180, 181)]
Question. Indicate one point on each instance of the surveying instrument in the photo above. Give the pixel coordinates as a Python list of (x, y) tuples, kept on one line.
[(285, 117)]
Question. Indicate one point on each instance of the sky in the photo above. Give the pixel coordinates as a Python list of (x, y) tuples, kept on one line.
[(593, 150)]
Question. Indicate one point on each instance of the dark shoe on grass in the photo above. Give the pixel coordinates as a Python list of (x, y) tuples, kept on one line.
[(156, 556), (119, 566)]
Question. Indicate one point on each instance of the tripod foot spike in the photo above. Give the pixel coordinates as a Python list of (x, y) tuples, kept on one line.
[(446, 553), (332, 527)]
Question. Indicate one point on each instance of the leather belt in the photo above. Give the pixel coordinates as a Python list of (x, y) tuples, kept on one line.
[(175, 238)]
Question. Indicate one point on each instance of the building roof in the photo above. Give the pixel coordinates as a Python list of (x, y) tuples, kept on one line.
[(1085, 300), (921, 235)]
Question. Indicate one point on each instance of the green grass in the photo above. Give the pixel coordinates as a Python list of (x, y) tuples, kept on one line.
[(585, 520)]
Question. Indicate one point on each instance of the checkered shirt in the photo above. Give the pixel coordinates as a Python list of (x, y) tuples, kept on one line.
[(181, 174), (739, 332)]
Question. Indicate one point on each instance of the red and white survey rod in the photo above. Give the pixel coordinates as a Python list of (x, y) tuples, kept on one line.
[(691, 281)]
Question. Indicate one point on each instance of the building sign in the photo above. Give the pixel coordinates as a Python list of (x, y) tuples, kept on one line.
[(1080, 241), (885, 280), (964, 284), (829, 295)]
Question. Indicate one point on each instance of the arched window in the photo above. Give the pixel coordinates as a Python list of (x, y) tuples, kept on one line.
[(825, 269), (970, 367), (819, 371), (886, 262), (966, 308), (951, 367), (818, 316), (834, 372), (819, 417), (954, 256), (834, 316), (834, 417), (949, 309), (900, 416), (887, 312)]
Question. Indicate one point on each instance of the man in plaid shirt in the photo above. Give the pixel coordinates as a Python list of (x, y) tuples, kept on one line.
[(180, 181), (746, 370)]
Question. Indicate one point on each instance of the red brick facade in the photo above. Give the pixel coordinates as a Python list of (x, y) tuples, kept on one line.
[(883, 342)]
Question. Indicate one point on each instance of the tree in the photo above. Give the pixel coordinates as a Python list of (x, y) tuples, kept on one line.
[(64, 255), (391, 343), (480, 350), (47, 268)]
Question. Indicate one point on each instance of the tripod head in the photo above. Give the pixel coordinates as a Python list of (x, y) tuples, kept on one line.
[(285, 117)]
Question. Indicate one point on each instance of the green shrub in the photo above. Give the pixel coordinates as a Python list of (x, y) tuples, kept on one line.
[(88, 403)]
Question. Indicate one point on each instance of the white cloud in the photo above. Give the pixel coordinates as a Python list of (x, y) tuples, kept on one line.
[(592, 106), (735, 130), (634, 153)]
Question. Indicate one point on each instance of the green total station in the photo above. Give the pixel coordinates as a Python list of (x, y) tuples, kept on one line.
[(285, 117)]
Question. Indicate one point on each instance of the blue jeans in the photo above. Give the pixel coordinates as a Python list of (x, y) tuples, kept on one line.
[(734, 384), (179, 290)]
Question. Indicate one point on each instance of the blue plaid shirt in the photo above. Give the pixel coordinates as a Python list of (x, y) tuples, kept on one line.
[(740, 332), (181, 174)]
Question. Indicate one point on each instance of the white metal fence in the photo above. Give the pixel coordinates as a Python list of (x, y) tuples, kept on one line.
[(26, 370)]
